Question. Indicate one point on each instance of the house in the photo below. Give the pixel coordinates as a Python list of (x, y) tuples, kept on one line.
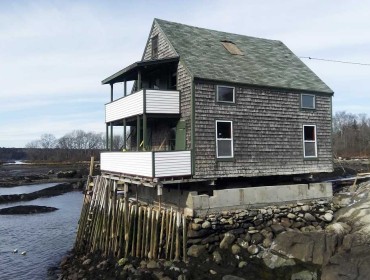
[(207, 105)]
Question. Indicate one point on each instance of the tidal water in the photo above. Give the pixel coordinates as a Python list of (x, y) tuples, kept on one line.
[(45, 237), (25, 189)]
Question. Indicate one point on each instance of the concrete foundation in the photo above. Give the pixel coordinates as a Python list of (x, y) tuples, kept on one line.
[(239, 198), (195, 203)]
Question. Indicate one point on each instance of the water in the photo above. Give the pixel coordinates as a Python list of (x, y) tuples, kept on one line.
[(46, 237), (26, 188)]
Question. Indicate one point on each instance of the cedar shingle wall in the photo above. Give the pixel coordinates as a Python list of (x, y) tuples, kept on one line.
[(267, 128), (164, 49), (184, 86)]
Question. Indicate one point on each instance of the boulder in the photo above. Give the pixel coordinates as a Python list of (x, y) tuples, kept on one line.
[(253, 249), (277, 228), (309, 217), (232, 277), (206, 224), (217, 257), (313, 247), (196, 250), (227, 240), (275, 261), (256, 238), (304, 275), (235, 249)]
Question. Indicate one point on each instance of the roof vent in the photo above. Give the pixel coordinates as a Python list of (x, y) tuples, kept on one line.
[(231, 47)]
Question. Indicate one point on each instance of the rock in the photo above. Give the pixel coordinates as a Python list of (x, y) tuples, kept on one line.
[(167, 264), (196, 250), (308, 217), (196, 226), (235, 249), (213, 272), (253, 249), (285, 222), (198, 221), (242, 264), (267, 242), (276, 228), (26, 209), (206, 225), (305, 208), (341, 229), (328, 217), (210, 239), (291, 216), (274, 261), (227, 240), (217, 257), (315, 247), (102, 265), (51, 171), (256, 238), (198, 233), (304, 275), (152, 264), (232, 277), (86, 262)]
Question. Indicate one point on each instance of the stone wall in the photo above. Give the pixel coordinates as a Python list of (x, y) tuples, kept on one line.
[(255, 229)]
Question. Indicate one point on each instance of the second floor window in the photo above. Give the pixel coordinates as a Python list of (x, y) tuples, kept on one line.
[(307, 101), (155, 47), (225, 94)]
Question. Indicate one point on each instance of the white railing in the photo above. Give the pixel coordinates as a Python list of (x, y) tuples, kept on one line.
[(144, 101), (147, 164)]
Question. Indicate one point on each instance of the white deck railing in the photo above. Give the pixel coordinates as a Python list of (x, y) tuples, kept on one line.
[(147, 164), (144, 101)]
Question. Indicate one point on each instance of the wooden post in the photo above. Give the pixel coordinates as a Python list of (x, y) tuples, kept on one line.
[(111, 92), (160, 193), (161, 234), (126, 217), (124, 88), (139, 226), (138, 132), (107, 137), (177, 248), (138, 80), (111, 136), (144, 132), (124, 134), (184, 238)]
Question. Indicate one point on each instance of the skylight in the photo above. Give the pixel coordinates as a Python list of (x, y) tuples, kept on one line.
[(232, 48)]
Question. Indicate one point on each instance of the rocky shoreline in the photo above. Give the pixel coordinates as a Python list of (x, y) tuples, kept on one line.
[(305, 240), (26, 209)]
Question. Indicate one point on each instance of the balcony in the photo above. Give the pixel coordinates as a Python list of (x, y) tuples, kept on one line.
[(146, 101), (147, 164)]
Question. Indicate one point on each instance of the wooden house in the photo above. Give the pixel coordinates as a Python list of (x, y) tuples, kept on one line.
[(207, 105)]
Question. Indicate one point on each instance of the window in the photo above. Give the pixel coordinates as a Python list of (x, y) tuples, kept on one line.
[(225, 94), (155, 47), (307, 101), (309, 141), (224, 139)]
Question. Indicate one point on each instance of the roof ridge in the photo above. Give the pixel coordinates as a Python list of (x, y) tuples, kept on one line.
[(158, 20)]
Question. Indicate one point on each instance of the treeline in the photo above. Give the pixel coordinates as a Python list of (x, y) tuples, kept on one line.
[(74, 146), (351, 135), (12, 154)]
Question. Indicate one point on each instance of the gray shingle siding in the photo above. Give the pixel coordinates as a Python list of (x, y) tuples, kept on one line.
[(164, 48), (184, 84), (268, 138)]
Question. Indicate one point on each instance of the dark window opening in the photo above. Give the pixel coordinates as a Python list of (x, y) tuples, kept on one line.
[(155, 47), (225, 94)]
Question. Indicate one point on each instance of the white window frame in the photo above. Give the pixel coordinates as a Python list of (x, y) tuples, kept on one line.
[(231, 139), (221, 101), (309, 141), (314, 101)]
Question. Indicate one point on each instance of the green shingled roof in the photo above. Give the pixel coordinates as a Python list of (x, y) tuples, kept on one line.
[(264, 63)]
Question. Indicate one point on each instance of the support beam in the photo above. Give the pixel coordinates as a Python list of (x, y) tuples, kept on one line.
[(138, 128), (111, 137), (124, 134), (107, 136), (124, 88), (111, 92), (138, 80), (144, 132)]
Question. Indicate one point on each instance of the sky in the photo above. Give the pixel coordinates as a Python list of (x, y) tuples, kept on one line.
[(54, 54)]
